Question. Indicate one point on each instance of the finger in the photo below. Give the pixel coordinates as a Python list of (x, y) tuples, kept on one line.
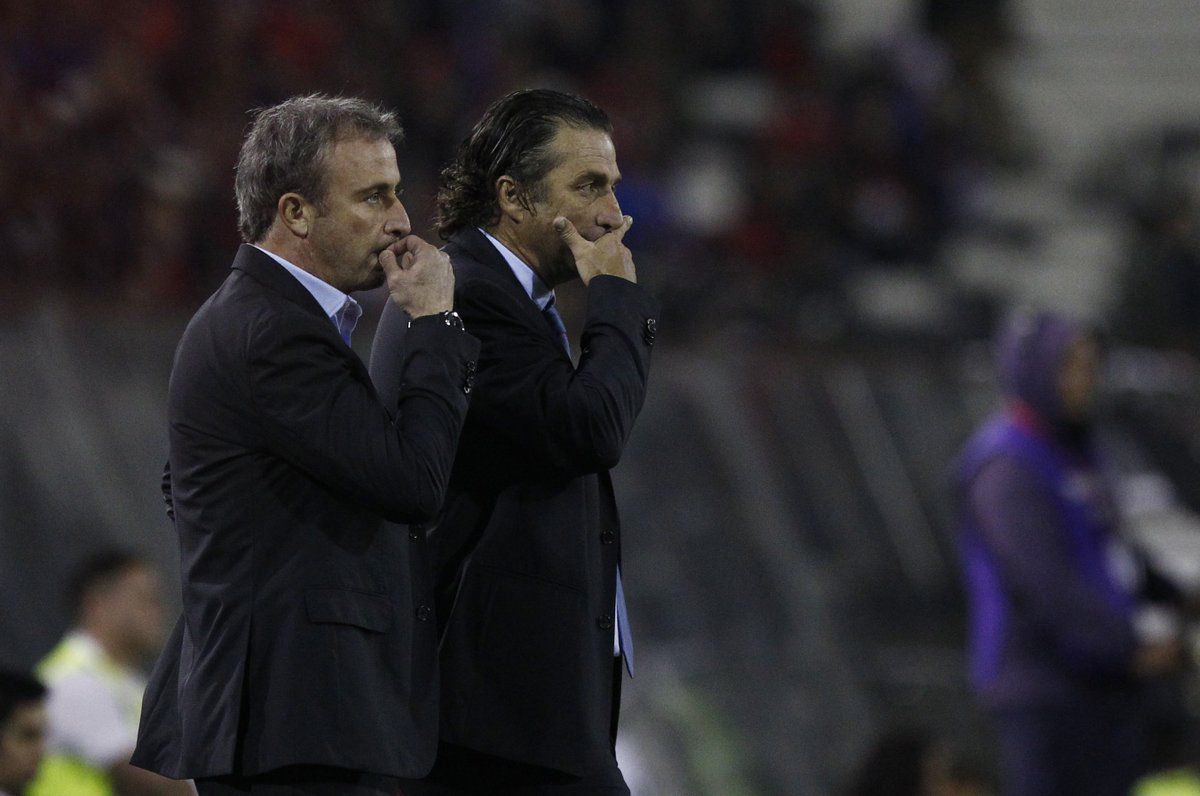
[(409, 243), (625, 225), (407, 260), (387, 259), (570, 235)]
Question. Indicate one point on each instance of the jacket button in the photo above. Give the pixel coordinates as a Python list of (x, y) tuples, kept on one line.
[(608, 537), (605, 622), (424, 613), (414, 534), (650, 331)]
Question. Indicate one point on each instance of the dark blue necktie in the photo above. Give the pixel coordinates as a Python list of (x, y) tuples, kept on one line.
[(555, 322)]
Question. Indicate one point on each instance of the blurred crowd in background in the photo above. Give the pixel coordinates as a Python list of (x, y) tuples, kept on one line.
[(762, 169)]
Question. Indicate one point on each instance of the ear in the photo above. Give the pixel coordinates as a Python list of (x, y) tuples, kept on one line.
[(296, 214), (509, 199)]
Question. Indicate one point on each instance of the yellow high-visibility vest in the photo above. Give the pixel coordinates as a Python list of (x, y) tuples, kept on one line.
[(60, 773)]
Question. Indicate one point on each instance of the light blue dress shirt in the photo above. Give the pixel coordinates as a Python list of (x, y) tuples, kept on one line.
[(337, 306), (533, 284)]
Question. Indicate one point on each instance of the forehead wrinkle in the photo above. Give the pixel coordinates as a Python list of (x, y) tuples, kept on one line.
[(363, 171), (592, 148), (366, 151)]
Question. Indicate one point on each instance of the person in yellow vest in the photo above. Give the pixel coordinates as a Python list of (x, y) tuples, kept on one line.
[(22, 730), (95, 682), (1177, 782)]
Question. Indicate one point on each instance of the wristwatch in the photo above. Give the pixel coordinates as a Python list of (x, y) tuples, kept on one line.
[(452, 319), (449, 317)]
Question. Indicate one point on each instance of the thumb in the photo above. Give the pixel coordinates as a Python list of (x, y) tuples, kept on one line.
[(569, 235), (626, 223)]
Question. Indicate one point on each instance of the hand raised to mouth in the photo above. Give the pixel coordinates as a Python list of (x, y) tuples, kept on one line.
[(419, 277), (606, 255)]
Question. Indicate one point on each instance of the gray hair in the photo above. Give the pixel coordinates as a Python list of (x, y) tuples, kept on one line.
[(286, 147)]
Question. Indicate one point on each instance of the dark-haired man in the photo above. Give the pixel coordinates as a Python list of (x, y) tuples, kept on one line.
[(22, 730), (304, 660), (530, 604), (95, 676)]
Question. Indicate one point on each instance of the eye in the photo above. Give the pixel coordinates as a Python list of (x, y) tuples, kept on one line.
[(374, 198)]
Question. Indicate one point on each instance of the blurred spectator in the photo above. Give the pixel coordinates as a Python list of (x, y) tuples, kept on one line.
[(96, 682), (1159, 300), (1064, 638), (748, 146), (1179, 782), (22, 730), (910, 762)]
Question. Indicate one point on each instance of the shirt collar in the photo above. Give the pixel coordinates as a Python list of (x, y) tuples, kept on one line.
[(343, 310), (535, 288)]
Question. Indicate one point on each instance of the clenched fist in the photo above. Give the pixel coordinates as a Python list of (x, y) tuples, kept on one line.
[(419, 277), (605, 255)]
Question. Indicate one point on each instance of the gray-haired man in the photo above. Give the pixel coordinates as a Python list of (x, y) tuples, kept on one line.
[(304, 659)]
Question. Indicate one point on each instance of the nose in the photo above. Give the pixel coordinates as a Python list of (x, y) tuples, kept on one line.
[(610, 216), (397, 221)]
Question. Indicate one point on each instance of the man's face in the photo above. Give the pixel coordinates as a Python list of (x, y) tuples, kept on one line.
[(1077, 377), (22, 743), (580, 187), (362, 215), (134, 603)]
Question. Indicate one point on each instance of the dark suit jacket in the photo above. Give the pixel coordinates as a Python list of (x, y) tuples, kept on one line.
[(307, 633), (527, 547)]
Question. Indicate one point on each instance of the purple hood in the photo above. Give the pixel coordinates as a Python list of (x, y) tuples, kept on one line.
[(1030, 352)]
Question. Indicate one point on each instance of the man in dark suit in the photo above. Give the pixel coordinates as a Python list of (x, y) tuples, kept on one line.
[(304, 660), (527, 552)]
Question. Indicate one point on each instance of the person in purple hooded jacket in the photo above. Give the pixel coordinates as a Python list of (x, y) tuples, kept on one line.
[(1060, 650)]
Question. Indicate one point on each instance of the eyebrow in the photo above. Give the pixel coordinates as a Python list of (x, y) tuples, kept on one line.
[(596, 176), (379, 186)]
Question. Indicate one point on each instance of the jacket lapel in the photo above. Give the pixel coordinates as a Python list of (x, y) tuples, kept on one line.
[(472, 243), (258, 265), (271, 274)]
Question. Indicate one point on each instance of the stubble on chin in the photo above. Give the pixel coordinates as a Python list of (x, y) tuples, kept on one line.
[(373, 278), (378, 277)]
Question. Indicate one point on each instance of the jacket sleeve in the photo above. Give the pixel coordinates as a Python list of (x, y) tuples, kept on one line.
[(1018, 521), (569, 419), (320, 415)]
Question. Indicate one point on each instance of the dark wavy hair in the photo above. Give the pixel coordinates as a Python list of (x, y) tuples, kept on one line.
[(512, 138)]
